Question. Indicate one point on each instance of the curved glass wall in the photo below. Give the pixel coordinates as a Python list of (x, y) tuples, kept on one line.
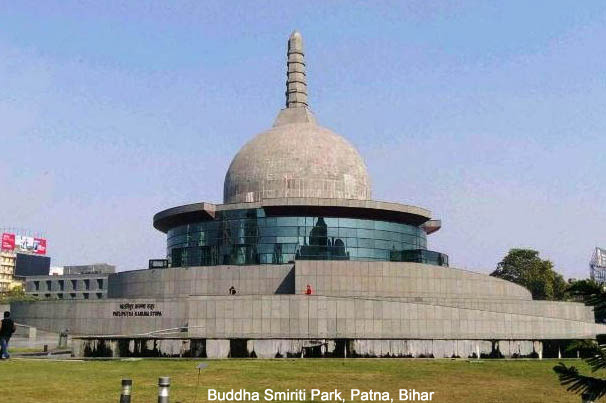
[(240, 237)]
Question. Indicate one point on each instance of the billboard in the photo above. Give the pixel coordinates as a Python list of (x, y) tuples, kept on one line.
[(8, 241), (32, 265), (23, 243)]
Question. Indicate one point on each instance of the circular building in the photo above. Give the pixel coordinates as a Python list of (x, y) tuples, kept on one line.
[(299, 261), (297, 191)]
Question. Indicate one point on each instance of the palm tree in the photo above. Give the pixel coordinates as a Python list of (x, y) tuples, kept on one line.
[(592, 388)]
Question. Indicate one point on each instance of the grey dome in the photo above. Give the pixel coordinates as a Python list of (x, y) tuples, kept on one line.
[(296, 158)]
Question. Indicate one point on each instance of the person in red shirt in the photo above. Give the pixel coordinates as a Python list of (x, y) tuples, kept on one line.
[(308, 290)]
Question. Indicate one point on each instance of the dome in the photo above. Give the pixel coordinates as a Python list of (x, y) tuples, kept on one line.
[(296, 158)]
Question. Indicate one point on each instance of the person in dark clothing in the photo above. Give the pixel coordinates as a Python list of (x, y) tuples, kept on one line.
[(232, 290), (6, 331)]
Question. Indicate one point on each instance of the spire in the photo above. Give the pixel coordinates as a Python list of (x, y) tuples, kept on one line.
[(297, 110), (296, 82)]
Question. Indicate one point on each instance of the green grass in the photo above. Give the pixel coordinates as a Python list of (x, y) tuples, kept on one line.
[(26, 350), (27, 380)]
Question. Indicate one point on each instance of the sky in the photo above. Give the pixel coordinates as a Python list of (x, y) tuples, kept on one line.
[(490, 114)]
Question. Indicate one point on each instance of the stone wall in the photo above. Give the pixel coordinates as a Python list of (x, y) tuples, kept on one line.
[(104, 317), (359, 308), (293, 316), (400, 279), (209, 280), (280, 348), (549, 309), (311, 317)]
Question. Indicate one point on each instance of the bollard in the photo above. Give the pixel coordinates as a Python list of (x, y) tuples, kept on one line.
[(63, 339), (163, 389), (127, 386)]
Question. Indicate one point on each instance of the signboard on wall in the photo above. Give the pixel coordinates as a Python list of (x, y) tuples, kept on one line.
[(23, 243), (40, 246), (8, 241)]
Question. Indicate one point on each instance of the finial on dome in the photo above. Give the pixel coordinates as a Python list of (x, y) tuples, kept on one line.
[(296, 82)]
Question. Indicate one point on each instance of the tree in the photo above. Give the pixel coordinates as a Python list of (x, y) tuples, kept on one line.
[(591, 387), (526, 268), (14, 295)]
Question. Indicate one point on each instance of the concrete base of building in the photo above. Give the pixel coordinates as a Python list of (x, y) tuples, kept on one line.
[(304, 348), (357, 309)]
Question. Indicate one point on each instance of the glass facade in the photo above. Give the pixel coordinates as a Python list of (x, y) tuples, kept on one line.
[(242, 237)]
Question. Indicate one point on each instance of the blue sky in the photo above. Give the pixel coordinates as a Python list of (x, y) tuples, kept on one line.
[(491, 114)]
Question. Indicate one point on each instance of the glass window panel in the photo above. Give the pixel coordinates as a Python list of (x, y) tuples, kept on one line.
[(348, 232), (366, 243), (380, 244), (347, 223), (287, 221), (239, 237), (368, 224), (331, 222), (287, 239), (267, 239), (383, 225), (365, 233), (332, 232), (286, 231)]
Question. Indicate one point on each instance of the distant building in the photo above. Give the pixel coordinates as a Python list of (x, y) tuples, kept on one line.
[(22, 253), (95, 268), (71, 286), (7, 269), (597, 265), (76, 282), (56, 271)]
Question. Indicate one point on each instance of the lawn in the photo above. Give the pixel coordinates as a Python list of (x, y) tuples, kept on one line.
[(29, 380)]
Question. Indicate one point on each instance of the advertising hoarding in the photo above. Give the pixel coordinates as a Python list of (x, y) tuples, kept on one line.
[(22, 243), (8, 241), (31, 265)]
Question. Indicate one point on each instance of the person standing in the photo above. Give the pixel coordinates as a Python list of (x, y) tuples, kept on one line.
[(6, 331)]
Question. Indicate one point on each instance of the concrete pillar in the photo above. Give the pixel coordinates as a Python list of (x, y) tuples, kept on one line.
[(217, 348)]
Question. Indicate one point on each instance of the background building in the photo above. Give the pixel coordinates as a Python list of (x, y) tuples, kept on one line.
[(76, 282), (7, 269), (56, 271), (597, 265), (22, 254), (95, 268)]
